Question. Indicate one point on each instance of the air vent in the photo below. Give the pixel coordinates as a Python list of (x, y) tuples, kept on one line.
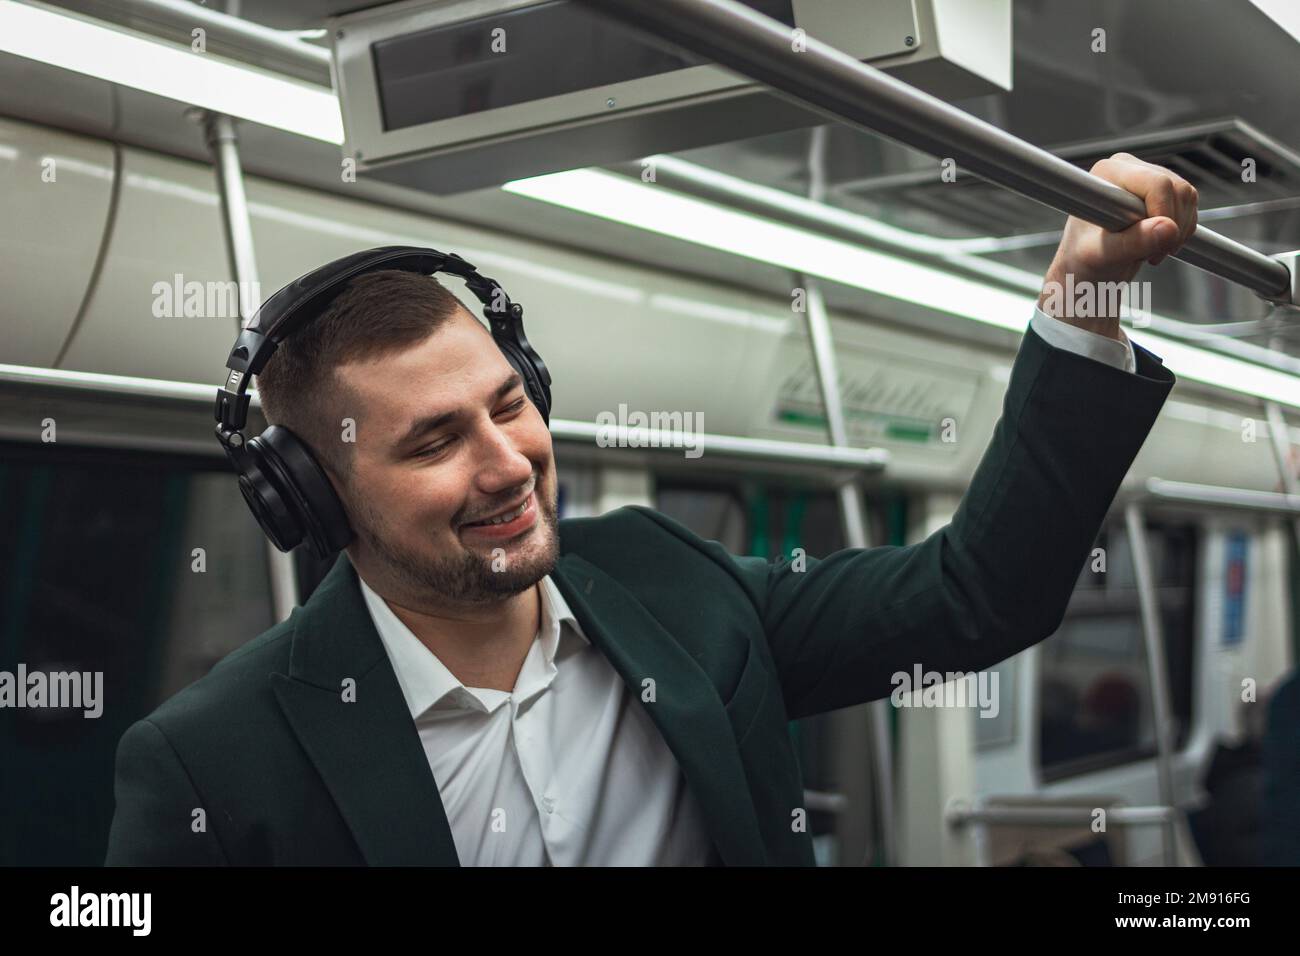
[(429, 102), (1208, 155)]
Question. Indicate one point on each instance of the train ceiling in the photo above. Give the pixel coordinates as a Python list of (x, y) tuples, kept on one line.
[(1195, 84)]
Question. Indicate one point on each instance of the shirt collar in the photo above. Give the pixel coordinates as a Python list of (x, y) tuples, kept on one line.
[(424, 680)]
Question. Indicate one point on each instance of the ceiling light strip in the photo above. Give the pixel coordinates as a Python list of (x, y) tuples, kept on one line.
[(655, 209), (71, 42)]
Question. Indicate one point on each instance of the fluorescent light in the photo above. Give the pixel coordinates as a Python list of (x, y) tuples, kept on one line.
[(690, 219), (704, 223), (150, 65), (811, 215)]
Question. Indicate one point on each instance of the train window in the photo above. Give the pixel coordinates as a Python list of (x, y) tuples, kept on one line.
[(715, 513), (1095, 706), (142, 568)]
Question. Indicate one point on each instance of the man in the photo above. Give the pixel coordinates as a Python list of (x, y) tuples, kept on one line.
[(478, 683)]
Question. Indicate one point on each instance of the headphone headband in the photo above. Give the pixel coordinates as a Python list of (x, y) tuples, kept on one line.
[(280, 479), (309, 296)]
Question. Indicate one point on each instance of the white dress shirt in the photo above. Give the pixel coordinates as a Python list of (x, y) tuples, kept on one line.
[(1094, 345), (567, 768)]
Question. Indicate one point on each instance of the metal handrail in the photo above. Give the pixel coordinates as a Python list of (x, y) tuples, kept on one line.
[(1216, 496), (978, 815), (982, 817), (823, 79), (1057, 816), (587, 433), (237, 228), (725, 189)]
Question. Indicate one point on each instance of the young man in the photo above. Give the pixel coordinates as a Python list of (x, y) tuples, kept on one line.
[(478, 683)]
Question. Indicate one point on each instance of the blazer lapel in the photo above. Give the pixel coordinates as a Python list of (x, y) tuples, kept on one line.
[(687, 710), (366, 750), (370, 757)]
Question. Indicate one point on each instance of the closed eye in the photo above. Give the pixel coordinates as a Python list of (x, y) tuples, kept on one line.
[(434, 450)]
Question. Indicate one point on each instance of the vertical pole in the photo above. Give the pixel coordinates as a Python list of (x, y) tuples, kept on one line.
[(851, 512), (224, 147), (936, 748), (1153, 634)]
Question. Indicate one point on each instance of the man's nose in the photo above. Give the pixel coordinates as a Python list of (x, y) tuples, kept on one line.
[(501, 466)]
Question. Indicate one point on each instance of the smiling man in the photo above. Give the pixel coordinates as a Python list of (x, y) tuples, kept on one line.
[(539, 752), (476, 682)]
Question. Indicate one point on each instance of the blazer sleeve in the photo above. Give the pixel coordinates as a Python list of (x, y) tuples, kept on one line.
[(154, 822), (998, 577)]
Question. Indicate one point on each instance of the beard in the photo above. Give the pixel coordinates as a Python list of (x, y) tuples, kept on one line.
[(465, 578)]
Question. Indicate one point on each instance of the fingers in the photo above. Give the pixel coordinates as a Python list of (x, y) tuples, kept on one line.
[(1170, 203), (1161, 237), (1165, 193), (1192, 199), (1149, 239)]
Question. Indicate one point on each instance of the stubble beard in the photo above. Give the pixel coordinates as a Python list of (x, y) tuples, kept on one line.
[(468, 577)]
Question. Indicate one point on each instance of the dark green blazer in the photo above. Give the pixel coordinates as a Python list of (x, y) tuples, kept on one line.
[(287, 772)]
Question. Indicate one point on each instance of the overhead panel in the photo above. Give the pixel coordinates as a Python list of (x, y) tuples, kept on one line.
[(55, 194), (452, 95)]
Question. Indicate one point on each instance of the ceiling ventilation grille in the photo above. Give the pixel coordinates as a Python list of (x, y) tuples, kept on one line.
[(1209, 155)]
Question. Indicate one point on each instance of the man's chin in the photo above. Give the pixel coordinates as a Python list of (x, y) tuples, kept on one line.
[(504, 582), (520, 562), (504, 549)]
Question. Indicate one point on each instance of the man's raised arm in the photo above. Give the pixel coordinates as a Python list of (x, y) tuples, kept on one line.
[(997, 578)]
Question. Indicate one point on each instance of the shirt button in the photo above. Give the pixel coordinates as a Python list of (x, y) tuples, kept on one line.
[(548, 804)]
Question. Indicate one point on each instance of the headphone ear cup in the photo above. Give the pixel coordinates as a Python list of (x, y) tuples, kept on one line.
[(268, 499), (537, 390), (304, 491)]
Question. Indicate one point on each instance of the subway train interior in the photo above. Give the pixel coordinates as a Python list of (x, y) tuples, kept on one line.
[(783, 314)]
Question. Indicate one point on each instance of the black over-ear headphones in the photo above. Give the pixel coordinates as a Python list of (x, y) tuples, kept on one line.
[(286, 489)]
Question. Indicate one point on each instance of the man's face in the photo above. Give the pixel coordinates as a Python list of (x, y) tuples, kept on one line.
[(446, 437)]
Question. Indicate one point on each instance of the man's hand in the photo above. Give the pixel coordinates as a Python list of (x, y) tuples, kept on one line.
[(1091, 254)]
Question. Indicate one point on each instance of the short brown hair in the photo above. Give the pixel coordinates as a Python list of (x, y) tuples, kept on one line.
[(376, 314)]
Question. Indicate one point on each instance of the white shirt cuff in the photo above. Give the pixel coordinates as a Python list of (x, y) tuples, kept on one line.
[(1093, 345)]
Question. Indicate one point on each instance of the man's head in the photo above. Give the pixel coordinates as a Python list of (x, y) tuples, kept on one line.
[(445, 437)]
